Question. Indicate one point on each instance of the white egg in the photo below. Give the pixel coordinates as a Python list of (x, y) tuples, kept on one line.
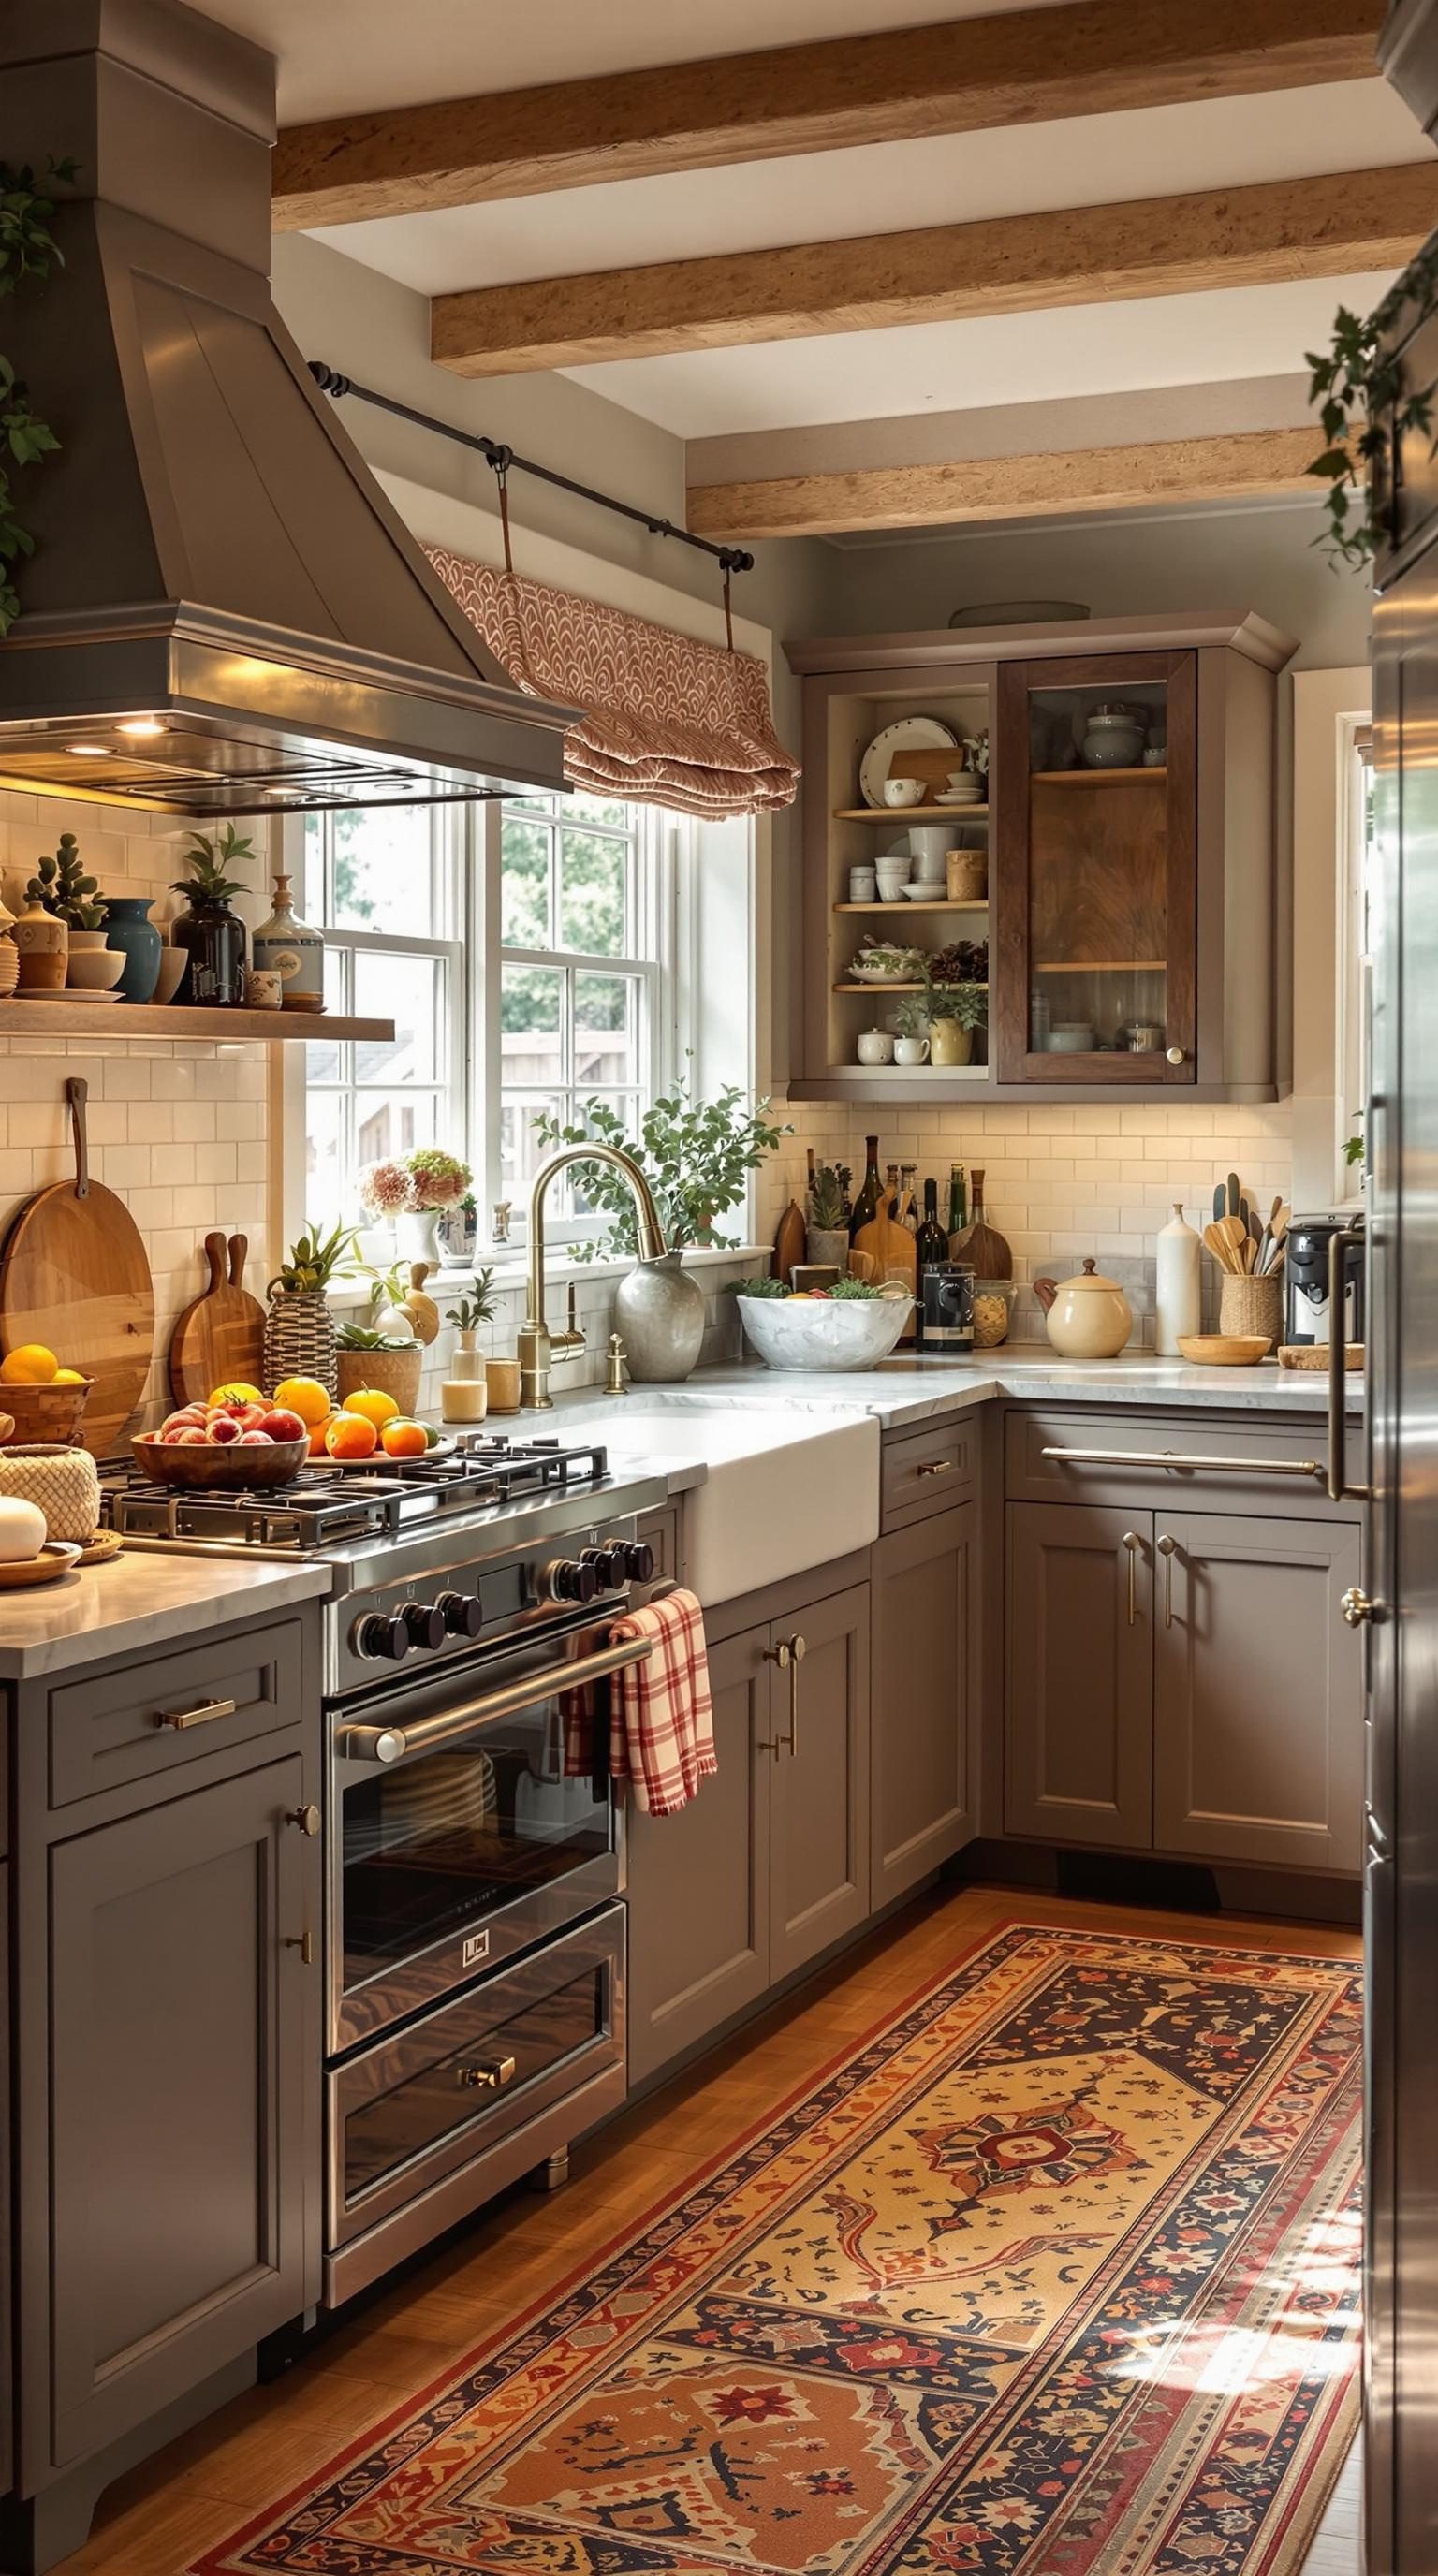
[(22, 1529)]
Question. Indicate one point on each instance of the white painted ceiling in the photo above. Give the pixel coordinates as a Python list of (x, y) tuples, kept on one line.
[(346, 56)]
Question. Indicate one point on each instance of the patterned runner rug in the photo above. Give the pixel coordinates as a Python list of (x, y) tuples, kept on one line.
[(1055, 2274)]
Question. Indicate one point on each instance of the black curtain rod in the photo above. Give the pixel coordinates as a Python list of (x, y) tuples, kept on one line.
[(504, 461)]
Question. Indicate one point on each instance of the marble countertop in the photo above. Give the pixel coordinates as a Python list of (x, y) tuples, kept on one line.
[(907, 1391), (138, 1600)]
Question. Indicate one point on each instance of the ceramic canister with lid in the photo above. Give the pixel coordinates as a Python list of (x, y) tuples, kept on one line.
[(1089, 1317)]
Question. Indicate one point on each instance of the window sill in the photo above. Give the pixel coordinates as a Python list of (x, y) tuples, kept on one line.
[(511, 1270)]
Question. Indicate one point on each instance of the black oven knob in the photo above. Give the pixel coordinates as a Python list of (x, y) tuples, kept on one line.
[(387, 1637), (567, 1580), (638, 1558), (608, 1564), (424, 1621), (462, 1613)]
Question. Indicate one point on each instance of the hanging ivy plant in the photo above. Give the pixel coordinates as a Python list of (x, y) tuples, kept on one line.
[(27, 250), (1357, 384)]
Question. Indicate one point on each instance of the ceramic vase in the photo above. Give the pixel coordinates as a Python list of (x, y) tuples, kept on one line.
[(300, 1340), (659, 1315), (215, 943), (1178, 1286), (43, 946), (950, 1042), (129, 928), (464, 1393), (417, 1236)]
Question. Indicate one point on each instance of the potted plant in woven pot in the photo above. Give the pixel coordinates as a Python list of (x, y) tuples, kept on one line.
[(299, 1328), (386, 1362), (826, 1234)]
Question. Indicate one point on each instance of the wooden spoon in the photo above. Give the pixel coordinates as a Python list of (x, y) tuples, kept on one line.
[(1218, 1244)]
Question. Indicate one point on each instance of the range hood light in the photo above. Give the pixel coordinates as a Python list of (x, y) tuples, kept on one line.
[(143, 727), (86, 750)]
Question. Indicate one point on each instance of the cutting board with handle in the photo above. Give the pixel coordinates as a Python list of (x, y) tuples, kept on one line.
[(219, 1340), (74, 1275), (981, 1245), (893, 1251)]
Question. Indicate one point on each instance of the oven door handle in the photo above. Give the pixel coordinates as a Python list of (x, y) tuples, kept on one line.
[(395, 1743)]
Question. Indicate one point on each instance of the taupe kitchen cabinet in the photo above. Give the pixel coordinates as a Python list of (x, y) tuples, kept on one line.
[(165, 1946), (1136, 901), (769, 1864), (1079, 1675), (924, 1589), (1184, 1682), (1258, 1749)]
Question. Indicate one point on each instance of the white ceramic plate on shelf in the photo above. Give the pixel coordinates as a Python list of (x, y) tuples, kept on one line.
[(911, 733)]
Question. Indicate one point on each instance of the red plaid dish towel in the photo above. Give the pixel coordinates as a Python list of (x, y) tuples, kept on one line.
[(661, 1733)]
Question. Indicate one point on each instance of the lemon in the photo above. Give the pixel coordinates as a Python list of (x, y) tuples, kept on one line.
[(372, 1405), (69, 1377), (31, 1365), (236, 1390)]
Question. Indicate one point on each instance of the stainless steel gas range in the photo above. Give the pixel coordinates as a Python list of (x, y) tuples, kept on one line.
[(473, 1842)]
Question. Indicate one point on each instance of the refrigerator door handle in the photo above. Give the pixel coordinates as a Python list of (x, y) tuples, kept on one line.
[(1339, 1247)]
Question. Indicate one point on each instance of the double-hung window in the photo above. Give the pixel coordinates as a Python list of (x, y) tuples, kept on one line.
[(580, 1004), (385, 884)]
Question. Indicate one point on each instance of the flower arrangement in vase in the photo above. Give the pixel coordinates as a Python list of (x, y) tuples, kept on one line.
[(415, 1190)]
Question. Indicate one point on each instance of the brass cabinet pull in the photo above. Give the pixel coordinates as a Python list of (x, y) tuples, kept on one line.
[(1133, 1543), (204, 1712), (1339, 1247), (935, 1467), (1175, 1458), (489, 2075), (307, 1818), (1167, 1548), (787, 1653), (304, 1942)]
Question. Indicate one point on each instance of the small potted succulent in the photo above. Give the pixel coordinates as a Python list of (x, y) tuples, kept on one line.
[(826, 1236), (213, 936), (62, 888), (299, 1328), (387, 1362)]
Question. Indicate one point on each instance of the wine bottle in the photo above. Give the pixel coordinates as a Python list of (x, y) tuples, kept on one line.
[(909, 1195), (866, 1205), (933, 1242), (958, 1203), (891, 1189)]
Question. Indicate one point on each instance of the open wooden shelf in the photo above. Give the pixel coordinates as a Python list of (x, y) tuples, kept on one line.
[(78, 1015), (899, 817), (977, 903), (1090, 777), (869, 985), (1106, 966)]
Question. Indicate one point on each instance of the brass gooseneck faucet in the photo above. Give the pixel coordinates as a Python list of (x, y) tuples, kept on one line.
[(538, 1348)]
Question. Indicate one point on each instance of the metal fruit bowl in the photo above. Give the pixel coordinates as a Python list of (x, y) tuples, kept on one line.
[(823, 1332), (196, 1468)]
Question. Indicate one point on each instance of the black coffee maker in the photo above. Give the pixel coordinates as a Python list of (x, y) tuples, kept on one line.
[(946, 1311), (1305, 1301)]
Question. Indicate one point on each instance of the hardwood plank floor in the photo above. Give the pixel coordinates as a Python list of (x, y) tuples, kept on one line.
[(160, 2517)]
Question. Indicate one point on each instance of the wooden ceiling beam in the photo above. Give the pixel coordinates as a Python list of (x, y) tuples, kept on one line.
[(1082, 59), (1243, 465), (1251, 236)]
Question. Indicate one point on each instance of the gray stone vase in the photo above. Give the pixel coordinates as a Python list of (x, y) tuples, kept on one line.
[(659, 1316)]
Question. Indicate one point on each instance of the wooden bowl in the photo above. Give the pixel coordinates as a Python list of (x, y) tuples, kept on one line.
[(42, 1413), (197, 1468), (1224, 1350), (1314, 1355)]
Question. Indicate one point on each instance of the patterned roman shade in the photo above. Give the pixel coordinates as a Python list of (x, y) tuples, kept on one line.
[(666, 721)]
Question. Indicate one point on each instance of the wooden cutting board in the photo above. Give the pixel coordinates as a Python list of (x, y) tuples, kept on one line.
[(790, 1241), (73, 1275), (892, 1249), (982, 1246), (220, 1337)]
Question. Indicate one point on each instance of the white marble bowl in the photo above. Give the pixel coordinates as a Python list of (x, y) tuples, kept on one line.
[(823, 1332)]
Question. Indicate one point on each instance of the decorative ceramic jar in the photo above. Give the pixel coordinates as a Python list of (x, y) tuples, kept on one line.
[(1089, 1318), (950, 1042), (129, 928), (214, 941), (659, 1315), (92, 966), (287, 947), (42, 943)]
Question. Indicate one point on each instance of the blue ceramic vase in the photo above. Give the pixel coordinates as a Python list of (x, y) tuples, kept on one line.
[(129, 928)]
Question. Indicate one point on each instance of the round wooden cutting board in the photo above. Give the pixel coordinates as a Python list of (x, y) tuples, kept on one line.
[(73, 1275)]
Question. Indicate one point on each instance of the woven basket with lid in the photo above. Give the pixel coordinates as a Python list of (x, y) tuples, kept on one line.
[(61, 1482)]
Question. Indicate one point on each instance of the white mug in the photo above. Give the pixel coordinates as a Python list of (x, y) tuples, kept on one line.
[(876, 1047), (903, 791), (911, 1050)]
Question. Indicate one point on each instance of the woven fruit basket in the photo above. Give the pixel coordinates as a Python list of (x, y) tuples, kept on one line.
[(43, 1413)]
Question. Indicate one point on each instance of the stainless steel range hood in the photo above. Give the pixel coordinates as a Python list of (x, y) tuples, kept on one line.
[(223, 614)]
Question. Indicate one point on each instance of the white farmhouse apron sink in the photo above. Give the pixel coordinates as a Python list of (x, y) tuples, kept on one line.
[(783, 1490)]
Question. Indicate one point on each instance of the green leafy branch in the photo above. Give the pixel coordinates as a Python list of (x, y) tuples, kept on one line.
[(695, 1154), (1357, 384), (28, 249)]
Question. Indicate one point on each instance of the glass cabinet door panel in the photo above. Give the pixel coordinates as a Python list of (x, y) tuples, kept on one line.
[(1099, 790)]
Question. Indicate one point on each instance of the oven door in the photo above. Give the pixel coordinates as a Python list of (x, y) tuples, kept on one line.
[(467, 1819)]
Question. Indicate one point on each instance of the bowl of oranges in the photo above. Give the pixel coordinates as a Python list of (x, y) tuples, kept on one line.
[(40, 1399)]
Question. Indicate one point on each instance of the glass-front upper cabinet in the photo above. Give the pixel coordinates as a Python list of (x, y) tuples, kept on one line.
[(1096, 807)]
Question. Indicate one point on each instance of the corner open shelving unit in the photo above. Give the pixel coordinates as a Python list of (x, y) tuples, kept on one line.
[(74, 1015)]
